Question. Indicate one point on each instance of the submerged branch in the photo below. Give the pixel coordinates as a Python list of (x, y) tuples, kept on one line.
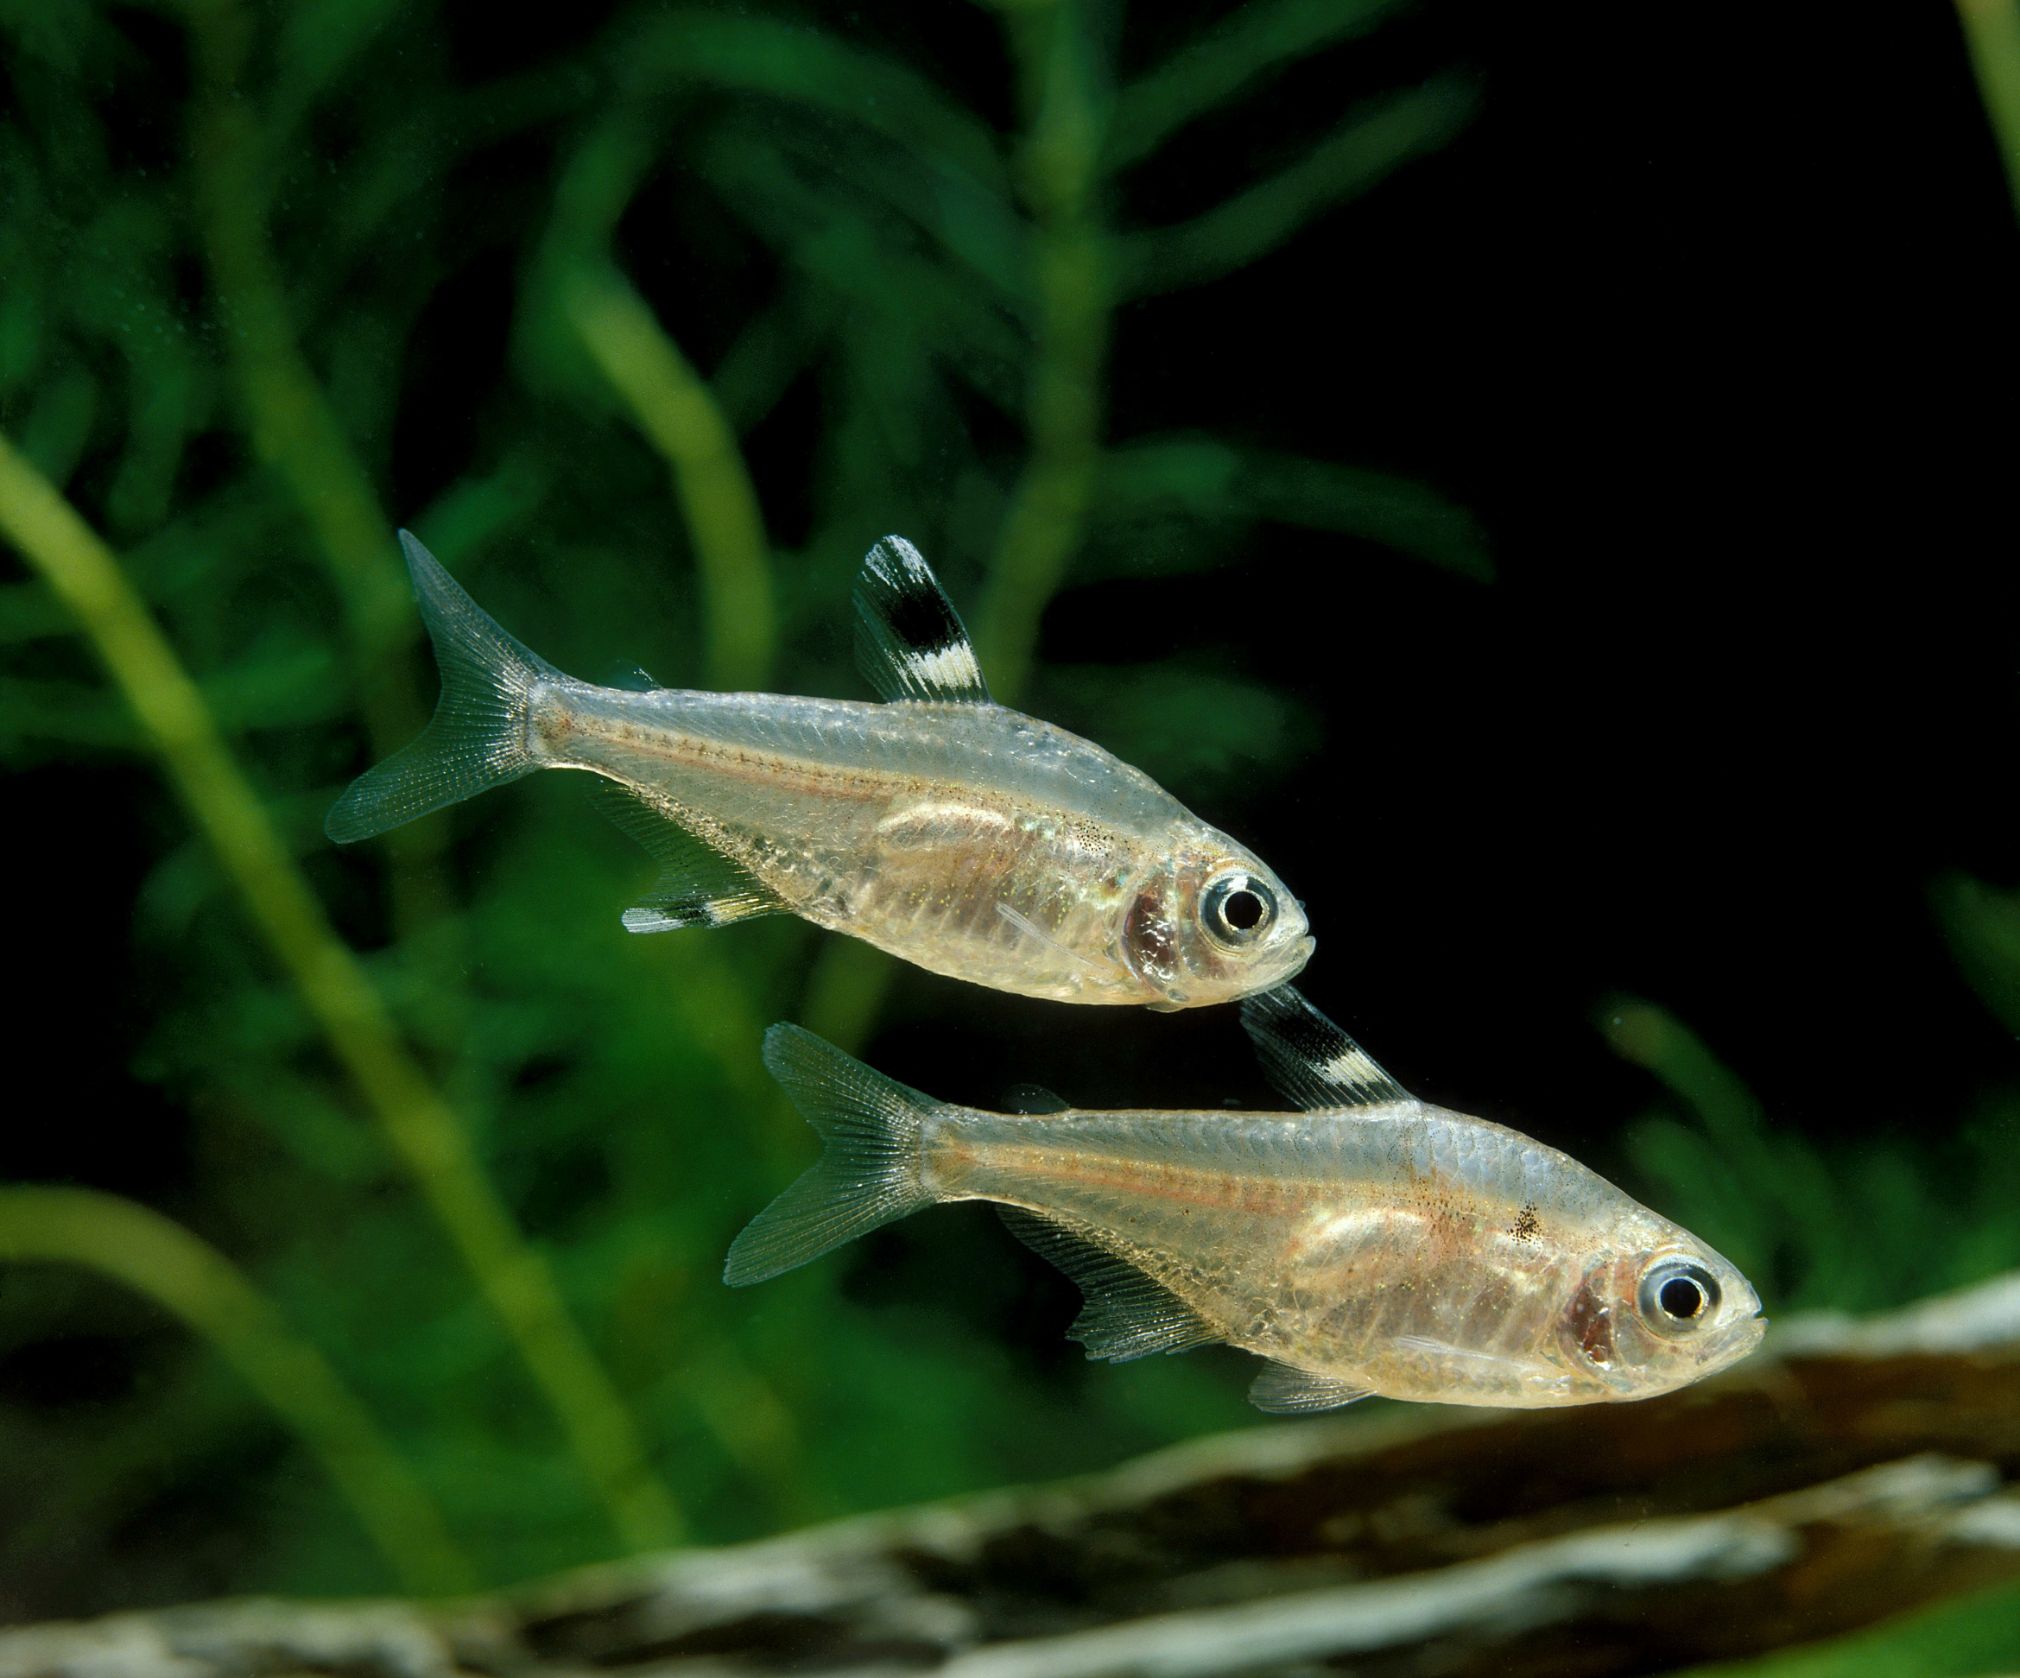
[(425, 1135), (1850, 1473), (144, 1251)]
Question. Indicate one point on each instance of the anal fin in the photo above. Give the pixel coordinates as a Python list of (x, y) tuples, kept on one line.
[(1126, 1313), (697, 884), (1285, 1391)]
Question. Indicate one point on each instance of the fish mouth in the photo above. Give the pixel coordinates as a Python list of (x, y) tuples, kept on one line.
[(1296, 954), (1738, 1340)]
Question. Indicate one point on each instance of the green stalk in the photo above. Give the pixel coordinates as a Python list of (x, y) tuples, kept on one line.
[(296, 432), (425, 1135), (1061, 157), (187, 1278), (1992, 33), (292, 425), (676, 410), (1048, 508)]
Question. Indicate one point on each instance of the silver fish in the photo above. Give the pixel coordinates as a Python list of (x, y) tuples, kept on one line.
[(944, 828), (1368, 1243)]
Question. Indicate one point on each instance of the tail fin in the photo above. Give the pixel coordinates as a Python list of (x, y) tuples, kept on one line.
[(477, 737), (869, 1175)]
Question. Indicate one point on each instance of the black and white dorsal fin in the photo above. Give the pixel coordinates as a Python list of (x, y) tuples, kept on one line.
[(909, 639), (1311, 1060), (1284, 1391), (697, 884), (1127, 1314)]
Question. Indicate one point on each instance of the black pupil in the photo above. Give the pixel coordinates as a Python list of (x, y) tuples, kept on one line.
[(1681, 1298), (1243, 910)]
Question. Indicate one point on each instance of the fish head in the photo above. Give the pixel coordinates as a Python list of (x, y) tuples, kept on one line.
[(1212, 925), (1657, 1315)]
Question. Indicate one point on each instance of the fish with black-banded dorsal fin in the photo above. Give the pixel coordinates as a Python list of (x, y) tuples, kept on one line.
[(1366, 1243), (951, 831)]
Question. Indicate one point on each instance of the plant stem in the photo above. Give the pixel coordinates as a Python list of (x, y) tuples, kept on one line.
[(295, 430), (674, 407), (1048, 507), (423, 1132), (1992, 32), (292, 425), (146, 1252)]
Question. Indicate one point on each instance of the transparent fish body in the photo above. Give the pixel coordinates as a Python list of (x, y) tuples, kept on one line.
[(1368, 1243), (960, 835), (967, 838), (1408, 1250)]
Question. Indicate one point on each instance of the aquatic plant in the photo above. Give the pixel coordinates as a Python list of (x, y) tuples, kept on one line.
[(375, 1238), (231, 238)]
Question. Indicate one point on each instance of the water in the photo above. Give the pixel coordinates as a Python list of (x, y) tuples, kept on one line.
[(1504, 476)]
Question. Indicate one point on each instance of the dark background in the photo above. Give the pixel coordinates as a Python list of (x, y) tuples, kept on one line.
[(1705, 318)]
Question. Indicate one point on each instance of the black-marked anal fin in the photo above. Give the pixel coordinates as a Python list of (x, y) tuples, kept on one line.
[(1311, 1060), (697, 884), (909, 639), (1284, 1391), (1127, 1314)]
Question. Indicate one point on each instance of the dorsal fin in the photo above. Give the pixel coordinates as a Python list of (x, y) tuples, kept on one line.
[(1284, 1391), (697, 884), (1127, 1314), (909, 639), (1311, 1060)]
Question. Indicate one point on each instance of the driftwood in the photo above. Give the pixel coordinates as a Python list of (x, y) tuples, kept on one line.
[(1852, 1471)]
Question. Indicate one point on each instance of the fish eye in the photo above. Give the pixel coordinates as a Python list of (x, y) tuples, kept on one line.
[(1677, 1296), (1237, 907)]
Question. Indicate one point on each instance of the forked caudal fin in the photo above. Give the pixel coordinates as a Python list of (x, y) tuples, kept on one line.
[(477, 737), (867, 1177)]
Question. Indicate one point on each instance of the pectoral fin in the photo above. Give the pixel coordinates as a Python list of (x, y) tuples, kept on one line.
[(1284, 1391), (1030, 929), (1127, 1314), (697, 884), (909, 639), (1533, 1371)]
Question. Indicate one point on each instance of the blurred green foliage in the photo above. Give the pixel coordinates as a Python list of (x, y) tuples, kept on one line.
[(225, 227), (1854, 1228)]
